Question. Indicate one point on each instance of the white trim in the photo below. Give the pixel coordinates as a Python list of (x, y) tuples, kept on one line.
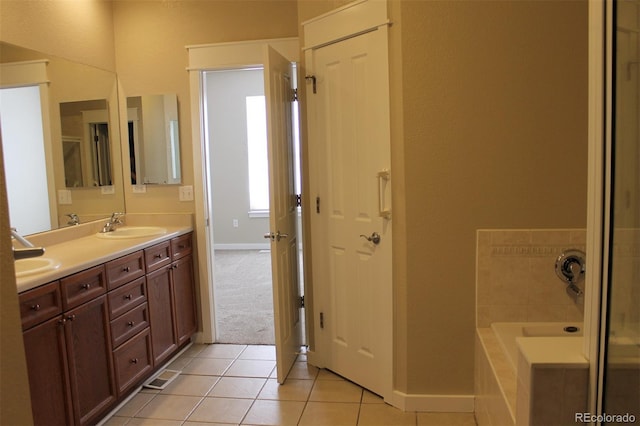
[(433, 403), (243, 246), (258, 214), (26, 73), (240, 54), (353, 19)]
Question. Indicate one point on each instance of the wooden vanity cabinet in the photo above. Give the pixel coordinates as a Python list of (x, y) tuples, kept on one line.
[(171, 297)]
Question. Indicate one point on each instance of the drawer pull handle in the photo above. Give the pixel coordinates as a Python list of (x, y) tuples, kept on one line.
[(134, 361), (128, 297), (85, 286), (35, 307), (126, 269), (131, 323), (158, 256)]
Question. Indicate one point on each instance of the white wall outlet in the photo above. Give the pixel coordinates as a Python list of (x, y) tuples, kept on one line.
[(186, 193), (64, 196), (139, 189), (108, 190), (235, 223)]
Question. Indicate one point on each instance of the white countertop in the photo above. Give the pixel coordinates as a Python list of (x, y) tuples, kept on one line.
[(560, 352), (85, 252)]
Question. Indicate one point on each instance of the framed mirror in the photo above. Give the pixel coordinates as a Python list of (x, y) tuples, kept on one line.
[(154, 141), (61, 85)]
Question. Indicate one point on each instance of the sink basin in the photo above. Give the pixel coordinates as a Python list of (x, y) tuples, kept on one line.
[(35, 265), (132, 232)]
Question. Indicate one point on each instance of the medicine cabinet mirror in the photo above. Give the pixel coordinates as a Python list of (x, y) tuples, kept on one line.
[(154, 141)]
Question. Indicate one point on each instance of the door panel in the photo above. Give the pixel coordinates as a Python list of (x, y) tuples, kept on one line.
[(349, 134), (282, 211)]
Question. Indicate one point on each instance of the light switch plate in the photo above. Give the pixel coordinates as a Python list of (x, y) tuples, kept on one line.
[(139, 189), (186, 193), (64, 196)]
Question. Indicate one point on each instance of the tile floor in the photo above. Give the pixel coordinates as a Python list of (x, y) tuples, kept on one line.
[(235, 384)]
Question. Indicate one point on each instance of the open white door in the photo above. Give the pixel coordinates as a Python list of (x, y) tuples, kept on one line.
[(282, 211)]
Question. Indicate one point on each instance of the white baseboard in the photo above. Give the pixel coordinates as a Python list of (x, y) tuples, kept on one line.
[(242, 246), (433, 403)]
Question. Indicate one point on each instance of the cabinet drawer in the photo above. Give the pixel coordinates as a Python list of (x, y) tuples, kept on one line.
[(125, 269), (126, 297), (129, 324), (40, 304), (133, 361), (157, 256), (83, 286), (181, 246)]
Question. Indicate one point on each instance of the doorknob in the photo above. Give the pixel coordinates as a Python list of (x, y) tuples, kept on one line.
[(374, 238), (275, 237)]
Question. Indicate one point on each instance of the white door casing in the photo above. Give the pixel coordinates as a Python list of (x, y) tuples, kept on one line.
[(349, 143), (282, 211)]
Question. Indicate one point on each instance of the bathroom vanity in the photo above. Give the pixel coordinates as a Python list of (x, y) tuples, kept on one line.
[(94, 335)]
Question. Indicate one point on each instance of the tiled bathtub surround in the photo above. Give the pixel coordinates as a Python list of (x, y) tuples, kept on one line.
[(516, 279)]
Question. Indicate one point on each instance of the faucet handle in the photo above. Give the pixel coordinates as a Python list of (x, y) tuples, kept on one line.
[(115, 217)]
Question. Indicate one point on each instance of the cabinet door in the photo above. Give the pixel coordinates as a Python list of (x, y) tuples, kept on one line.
[(185, 301), (90, 362), (47, 366), (160, 300)]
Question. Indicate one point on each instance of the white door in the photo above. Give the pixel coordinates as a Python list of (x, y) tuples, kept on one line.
[(282, 211), (351, 227)]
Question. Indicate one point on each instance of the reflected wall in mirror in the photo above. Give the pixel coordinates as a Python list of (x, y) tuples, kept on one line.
[(85, 143), (63, 82), (154, 142)]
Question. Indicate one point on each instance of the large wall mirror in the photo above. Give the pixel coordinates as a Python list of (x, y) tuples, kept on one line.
[(154, 141), (78, 104)]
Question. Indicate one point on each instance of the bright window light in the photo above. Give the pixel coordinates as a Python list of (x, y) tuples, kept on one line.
[(258, 160)]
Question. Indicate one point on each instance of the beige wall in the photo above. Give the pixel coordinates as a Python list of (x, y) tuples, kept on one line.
[(489, 119)]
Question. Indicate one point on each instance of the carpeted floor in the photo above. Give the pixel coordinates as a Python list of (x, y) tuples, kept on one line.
[(244, 298)]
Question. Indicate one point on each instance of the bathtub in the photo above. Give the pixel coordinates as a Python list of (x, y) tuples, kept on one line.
[(507, 332), (504, 395)]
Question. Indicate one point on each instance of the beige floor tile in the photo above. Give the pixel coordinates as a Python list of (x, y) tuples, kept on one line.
[(371, 398), (384, 415), (193, 351), (292, 390), (330, 413), (135, 404), (251, 368), (186, 384), (116, 421), (179, 363), (446, 419), (302, 370), (263, 352), (237, 387), (325, 374), (153, 422), (265, 412), (221, 351), (222, 410), (169, 407), (335, 391), (207, 366)]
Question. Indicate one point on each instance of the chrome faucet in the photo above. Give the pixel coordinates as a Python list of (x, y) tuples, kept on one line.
[(110, 226), (29, 251), (73, 219)]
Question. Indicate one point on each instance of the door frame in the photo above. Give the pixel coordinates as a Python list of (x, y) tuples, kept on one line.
[(202, 58)]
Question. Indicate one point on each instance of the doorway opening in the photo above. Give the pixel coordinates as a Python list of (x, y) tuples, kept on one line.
[(236, 127)]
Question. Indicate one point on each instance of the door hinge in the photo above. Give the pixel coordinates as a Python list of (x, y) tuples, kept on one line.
[(317, 204), (302, 301), (321, 319), (294, 95), (298, 200)]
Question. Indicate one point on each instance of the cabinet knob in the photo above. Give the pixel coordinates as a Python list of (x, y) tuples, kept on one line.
[(158, 256), (126, 269), (71, 317), (128, 297), (35, 307), (131, 323), (134, 360), (85, 286)]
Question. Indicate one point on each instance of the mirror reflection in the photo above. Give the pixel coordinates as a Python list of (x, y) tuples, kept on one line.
[(85, 143), (154, 143), (75, 180)]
